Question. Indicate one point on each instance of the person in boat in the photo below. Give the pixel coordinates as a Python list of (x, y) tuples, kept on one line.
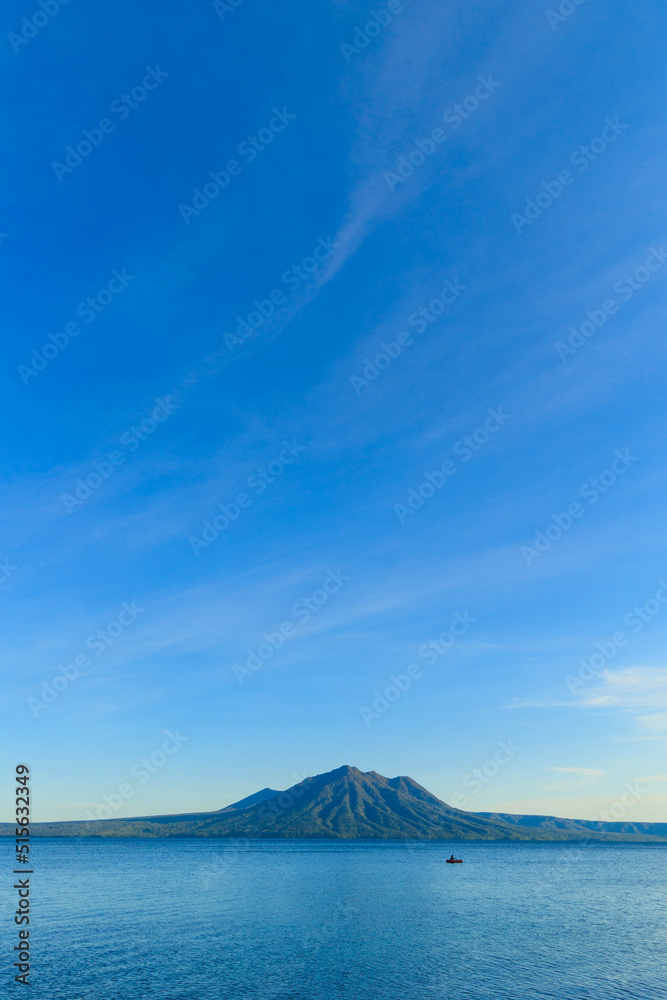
[(452, 858)]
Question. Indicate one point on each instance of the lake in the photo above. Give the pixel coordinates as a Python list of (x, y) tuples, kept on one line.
[(279, 920)]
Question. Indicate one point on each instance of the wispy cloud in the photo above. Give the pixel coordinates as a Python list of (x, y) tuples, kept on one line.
[(585, 776), (632, 690)]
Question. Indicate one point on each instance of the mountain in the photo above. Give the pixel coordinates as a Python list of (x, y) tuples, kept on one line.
[(578, 825), (252, 800), (350, 804)]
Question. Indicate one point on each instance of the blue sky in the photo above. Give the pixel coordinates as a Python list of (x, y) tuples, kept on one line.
[(306, 451)]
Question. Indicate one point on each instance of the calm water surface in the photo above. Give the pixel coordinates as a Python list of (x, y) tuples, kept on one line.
[(191, 919)]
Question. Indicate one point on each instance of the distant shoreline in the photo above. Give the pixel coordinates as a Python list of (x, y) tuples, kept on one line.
[(349, 804), (619, 841)]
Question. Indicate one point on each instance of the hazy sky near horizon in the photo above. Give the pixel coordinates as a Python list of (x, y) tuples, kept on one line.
[(338, 362)]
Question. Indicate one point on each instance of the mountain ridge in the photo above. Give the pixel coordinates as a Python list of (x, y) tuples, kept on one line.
[(347, 803), (251, 800)]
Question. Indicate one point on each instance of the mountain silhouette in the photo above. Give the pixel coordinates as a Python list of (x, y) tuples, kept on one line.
[(252, 800), (350, 804)]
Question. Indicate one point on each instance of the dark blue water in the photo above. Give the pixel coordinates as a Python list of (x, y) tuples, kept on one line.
[(179, 920)]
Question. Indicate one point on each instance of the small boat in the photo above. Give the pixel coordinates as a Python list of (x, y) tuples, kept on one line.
[(454, 861)]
